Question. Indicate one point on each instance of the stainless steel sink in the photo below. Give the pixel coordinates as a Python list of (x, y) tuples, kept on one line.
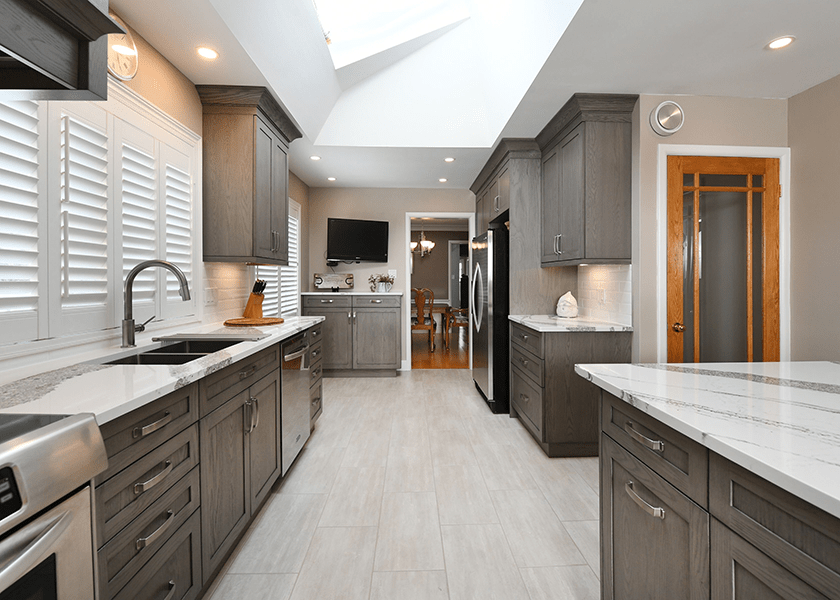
[(180, 348), (193, 347), (154, 358)]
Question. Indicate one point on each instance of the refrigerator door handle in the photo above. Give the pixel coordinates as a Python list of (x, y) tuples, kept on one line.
[(475, 301)]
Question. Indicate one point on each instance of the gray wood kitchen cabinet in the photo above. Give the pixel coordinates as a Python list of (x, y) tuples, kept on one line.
[(360, 332), (245, 185), (492, 187), (586, 169)]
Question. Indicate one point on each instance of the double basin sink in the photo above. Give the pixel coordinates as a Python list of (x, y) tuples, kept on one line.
[(180, 349)]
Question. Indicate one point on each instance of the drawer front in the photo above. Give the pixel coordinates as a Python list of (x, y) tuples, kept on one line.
[(680, 461), (377, 301), (647, 553), (789, 530), (328, 301), (316, 352), (316, 372), (529, 364), (316, 406), (315, 334), (131, 548), (123, 497), (527, 338), (135, 434), (219, 387), (528, 399), (174, 573)]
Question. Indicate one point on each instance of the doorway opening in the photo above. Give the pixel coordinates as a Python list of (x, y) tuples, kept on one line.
[(439, 291)]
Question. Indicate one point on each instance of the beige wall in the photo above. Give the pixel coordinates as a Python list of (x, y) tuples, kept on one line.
[(159, 82), (814, 135), (709, 120), (432, 270), (299, 192), (381, 204)]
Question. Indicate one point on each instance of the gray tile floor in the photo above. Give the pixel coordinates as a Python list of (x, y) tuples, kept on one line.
[(411, 489)]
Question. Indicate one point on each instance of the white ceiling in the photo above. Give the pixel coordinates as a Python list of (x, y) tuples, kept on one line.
[(503, 72)]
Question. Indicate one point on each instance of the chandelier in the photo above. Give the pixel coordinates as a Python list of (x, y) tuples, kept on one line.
[(424, 246)]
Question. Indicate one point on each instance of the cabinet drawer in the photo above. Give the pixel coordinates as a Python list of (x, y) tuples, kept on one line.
[(787, 529), (135, 434), (376, 301), (528, 364), (316, 372), (680, 461), (328, 301), (655, 540), (123, 497), (316, 352), (174, 572), (527, 338), (527, 397), (130, 549), (315, 334), (316, 401), (217, 388)]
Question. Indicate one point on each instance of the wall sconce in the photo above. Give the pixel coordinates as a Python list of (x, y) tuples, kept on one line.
[(424, 246)]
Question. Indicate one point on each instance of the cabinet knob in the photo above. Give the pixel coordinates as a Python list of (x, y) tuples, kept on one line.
[(524, 362)]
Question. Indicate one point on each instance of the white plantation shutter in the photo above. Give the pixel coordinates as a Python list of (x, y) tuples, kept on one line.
[(271, 301), (138, 180), (290, 275), (177, 213), (19, 223)]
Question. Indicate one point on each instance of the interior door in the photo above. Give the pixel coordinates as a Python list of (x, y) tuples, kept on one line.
[(723, 259)]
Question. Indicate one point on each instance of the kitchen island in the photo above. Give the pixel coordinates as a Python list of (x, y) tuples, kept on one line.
[(719, 480)]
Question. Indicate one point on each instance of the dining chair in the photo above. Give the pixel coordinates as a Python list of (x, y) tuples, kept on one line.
[(424, 319), (458, 317)]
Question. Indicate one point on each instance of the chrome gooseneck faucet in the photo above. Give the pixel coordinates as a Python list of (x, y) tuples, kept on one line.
[(128, 326)]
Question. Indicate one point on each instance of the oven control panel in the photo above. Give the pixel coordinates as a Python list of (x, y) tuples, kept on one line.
[(10, 501)]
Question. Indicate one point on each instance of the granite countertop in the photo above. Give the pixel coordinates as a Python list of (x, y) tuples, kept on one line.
[(778, 420), (110, 391), (350, 293), (549, 323)]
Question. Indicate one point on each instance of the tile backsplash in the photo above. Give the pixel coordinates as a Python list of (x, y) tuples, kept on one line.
[(231, 283), (604, 292)]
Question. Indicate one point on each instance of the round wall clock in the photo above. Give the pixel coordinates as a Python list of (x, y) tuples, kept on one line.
[(122, 52)]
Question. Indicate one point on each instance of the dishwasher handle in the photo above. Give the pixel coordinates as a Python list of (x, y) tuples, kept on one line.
[(296, 354)]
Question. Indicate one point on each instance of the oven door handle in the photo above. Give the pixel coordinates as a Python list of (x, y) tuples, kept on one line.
[(23, 550)]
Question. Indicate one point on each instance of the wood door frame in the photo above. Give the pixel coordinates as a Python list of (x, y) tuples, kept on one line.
[(666, 150)]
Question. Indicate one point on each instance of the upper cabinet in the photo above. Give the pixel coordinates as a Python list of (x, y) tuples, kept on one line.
[(585, 180), (54, 49), (246, 175)]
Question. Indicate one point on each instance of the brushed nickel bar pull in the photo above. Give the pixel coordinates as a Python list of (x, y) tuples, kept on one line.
[(376, 301), (657, 445), (559, 243), (325, 302), (139, 488), (653, 511), (247, 373), (255, 414), (171, 593), (316, 352), (140, 432), (350, 317), (524, 362), (524, 398), (143, 542)]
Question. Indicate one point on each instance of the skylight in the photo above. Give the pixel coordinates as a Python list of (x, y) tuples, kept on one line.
[(357, 29)]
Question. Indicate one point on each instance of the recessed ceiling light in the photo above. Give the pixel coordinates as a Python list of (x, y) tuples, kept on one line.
[(314, 158), (449, 159), (207, 53), (781, 42), (330, 178), (120, 49), (442, 180)]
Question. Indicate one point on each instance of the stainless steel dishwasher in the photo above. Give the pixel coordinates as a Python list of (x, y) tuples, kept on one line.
[(294, 407)]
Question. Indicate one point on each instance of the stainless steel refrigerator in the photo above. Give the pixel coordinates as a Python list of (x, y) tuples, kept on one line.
[(489, 316)]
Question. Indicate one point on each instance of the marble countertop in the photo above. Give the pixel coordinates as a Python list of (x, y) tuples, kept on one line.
[(350, 293), (778, 420), (110, 391), (549, 323)]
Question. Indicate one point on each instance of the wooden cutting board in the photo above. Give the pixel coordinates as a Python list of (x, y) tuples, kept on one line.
[(252, 322)]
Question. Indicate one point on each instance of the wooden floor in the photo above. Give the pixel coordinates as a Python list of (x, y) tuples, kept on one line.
[(456, 357)]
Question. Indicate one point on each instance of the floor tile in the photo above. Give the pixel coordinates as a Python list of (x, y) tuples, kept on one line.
[(409, 534), (551, 583), (367, 448), (479, 564), (338, 564), (313, 472), (355, 499), (254, 587), (566, 491), (409, 432), (462, 496), (451, 447), (410, 585), (586, 535), (503, 467), (535, 535), (280, 537), (409, 470)]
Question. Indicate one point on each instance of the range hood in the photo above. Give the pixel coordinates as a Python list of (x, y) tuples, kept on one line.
[(54, 49)]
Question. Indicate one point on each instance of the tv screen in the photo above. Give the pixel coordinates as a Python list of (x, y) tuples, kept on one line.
[(356, 240)]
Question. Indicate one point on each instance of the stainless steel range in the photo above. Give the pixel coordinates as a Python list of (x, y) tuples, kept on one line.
[(46, 536)]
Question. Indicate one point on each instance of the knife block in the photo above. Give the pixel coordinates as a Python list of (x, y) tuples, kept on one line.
[(253, 309)]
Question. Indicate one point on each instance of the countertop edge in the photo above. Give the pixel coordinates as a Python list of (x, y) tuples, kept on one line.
[(575, 325)]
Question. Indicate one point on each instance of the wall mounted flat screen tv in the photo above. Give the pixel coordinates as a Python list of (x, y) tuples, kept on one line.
[(356, 240)]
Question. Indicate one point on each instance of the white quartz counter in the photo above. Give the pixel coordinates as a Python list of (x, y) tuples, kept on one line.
[(549, 323), (350, 293), (110, 391), (778, 420)]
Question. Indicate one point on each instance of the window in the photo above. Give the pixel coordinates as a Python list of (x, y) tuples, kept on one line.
[(282, 290)]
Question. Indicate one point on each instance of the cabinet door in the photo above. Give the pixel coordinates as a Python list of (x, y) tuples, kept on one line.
[(480, 214), (504, 191), (225, 491), (376, 338), (265, 437), (337, 332), (264, 240), (571, 201), (647, 554), (550, 205), (280, 200)]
